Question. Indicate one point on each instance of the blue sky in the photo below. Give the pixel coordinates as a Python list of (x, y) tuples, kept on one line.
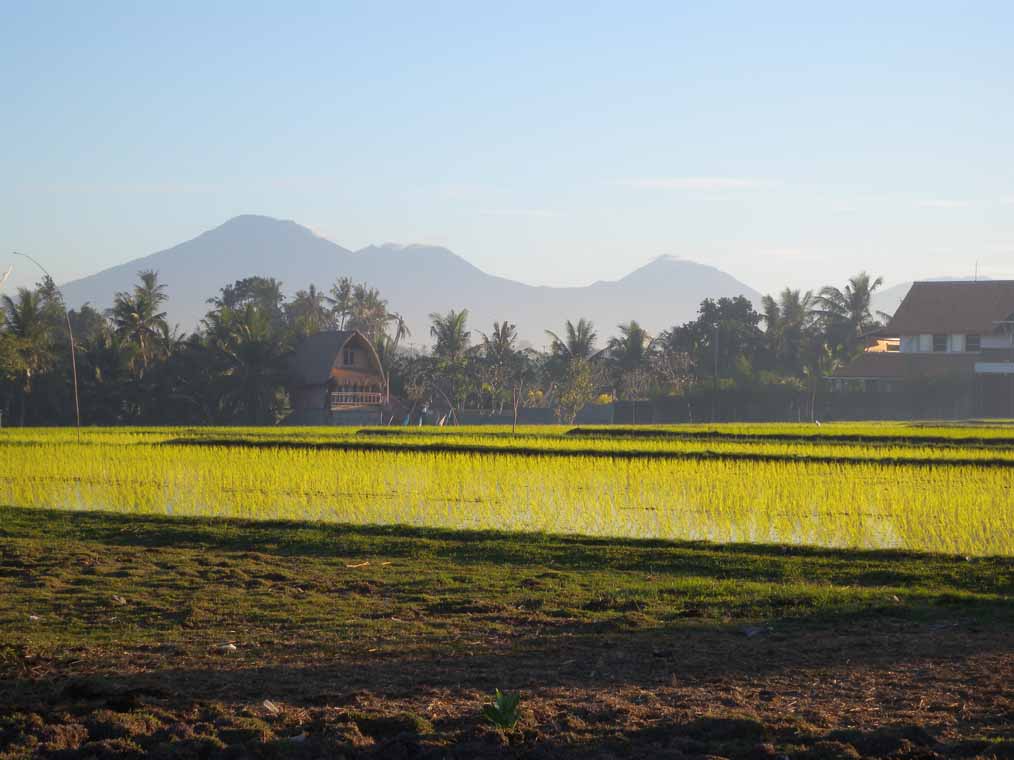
[(556, 143)]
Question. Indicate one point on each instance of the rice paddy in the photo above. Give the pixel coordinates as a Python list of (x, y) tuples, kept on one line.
[(361, 593), (877, 486)]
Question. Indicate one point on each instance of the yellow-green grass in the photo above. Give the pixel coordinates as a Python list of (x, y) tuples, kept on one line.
[(937, 504)]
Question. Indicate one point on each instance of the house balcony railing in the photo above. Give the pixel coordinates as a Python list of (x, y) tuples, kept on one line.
[(354, 398), (994, 368)]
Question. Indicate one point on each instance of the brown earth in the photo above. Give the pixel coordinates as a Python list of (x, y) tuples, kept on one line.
[(112, 634)]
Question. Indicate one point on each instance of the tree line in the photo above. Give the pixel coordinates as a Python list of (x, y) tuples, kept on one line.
[(134, 368)]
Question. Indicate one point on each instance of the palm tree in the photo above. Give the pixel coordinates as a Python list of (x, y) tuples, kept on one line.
[(151, 288), (629, 355), (171, 339), (450, 333), (498, 346), (629, 350), (847, 313), (579, 343), (136, 316), (27, 321), (386, 346), (265, 292), (501, 359), (107, 394), (253, 352), (309, 312), (788, 320), (400, 330), (25, 318), (341, 301), (368, 313), (771, 313)]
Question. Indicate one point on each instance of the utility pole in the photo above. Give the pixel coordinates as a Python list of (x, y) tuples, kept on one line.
[(70, 333)]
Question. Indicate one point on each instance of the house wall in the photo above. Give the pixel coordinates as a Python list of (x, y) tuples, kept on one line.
[(923, 343), (364, 377), (356, 416), (359, 416), (355, 367), (359, 356), (995, 341)]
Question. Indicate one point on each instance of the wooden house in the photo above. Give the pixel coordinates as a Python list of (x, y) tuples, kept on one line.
[(336, 378)]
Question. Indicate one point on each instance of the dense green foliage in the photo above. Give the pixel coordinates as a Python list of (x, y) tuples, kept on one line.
[(136, 368)]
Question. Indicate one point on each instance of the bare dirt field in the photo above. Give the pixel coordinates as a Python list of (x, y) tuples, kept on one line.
[(129, 636)]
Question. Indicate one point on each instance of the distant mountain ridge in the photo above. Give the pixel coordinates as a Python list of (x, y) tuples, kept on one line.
[(415, 279)]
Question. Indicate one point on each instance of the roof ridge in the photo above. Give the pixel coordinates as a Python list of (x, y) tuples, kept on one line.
[(944, 307)]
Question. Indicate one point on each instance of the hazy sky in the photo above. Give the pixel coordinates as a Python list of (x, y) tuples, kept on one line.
[(555, 143)]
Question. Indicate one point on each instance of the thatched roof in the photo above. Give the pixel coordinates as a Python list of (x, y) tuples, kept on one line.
[(314, 357), (953, 308)]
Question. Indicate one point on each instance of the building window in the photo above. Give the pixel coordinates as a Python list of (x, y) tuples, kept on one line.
[(348, 357), (939, 343), (973, 344)]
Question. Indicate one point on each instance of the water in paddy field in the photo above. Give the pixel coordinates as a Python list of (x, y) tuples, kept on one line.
[(950, 509)]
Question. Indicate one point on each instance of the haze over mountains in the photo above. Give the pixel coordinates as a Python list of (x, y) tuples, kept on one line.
[(415, 279)]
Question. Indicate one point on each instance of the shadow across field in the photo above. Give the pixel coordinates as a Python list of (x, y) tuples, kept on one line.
[(893, 439), (443, 447), (578, 657), (124, 626), (588, 689)]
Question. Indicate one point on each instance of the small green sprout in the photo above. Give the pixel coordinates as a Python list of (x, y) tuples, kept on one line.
[(503, 712)]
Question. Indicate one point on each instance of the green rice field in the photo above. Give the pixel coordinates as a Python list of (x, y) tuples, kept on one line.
[(921, 487)]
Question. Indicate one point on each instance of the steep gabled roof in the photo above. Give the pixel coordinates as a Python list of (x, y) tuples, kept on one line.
[(312, 360), (953, 307)]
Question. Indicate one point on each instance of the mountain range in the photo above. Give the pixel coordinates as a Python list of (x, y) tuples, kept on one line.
[(415, 279)]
